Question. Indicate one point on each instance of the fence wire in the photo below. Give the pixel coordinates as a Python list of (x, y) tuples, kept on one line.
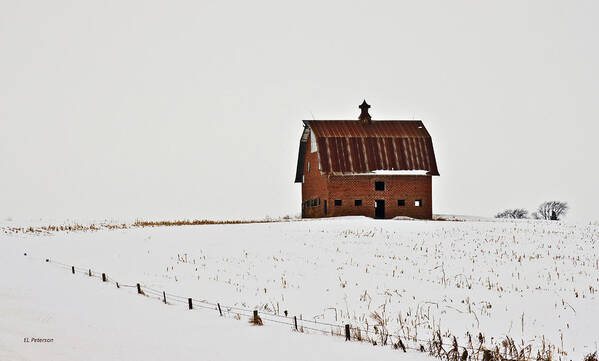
[(266, 315)]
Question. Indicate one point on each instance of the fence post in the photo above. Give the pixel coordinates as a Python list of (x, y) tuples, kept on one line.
[(103, 277), (164, 296), (190, 305), (347, 335), (139, 289), (89, 272), (117, 285), (73, 269), (219, 310), (295, 322), (256, 318)]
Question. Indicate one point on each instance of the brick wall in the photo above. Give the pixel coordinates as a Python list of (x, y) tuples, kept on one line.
[(407, 188), (314, 186)]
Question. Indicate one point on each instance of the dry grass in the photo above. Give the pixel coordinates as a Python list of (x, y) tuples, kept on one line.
[(196, 222), (137, 224), (145, 223), (591, 357), (64, 228)]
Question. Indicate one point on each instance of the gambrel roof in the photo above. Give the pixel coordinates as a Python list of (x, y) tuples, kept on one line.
[(348, 147)]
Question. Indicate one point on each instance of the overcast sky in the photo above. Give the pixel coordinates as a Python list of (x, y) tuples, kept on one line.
[(193, 109)]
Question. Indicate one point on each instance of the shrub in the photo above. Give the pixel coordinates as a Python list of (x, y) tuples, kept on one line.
[(551, 208), (517, 213)]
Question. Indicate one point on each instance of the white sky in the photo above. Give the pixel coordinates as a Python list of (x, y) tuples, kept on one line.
[(193, 109)]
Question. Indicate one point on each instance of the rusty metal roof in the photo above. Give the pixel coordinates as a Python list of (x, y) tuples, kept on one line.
[(351, 147), (380, 128)]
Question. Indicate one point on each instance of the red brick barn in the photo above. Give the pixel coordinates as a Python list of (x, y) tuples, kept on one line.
[(379, 169)]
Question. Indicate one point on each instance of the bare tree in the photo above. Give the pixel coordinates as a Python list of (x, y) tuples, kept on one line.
[(551, 210), (517, 213)]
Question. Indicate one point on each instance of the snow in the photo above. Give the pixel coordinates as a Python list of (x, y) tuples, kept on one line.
[(90, 320), (395, 172), (528, 280), (455, 217)]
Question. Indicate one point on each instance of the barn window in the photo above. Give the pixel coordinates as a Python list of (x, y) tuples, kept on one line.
[(401, 202), (337, 202), (418, 203), (308, 167), (358, 202), (314, 204), (379, 186)]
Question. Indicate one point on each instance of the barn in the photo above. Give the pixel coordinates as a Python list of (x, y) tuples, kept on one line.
[(374, 168)]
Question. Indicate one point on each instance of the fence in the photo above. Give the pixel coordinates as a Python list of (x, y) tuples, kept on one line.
[(435, 346)]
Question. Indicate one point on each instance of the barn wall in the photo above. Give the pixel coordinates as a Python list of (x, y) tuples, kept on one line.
[(314, 185), (350, 188), (408, 188)]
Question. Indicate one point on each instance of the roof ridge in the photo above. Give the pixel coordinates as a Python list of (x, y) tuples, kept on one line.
[(357, 121)]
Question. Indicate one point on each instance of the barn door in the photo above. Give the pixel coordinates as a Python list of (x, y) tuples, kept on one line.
[(379, 209)]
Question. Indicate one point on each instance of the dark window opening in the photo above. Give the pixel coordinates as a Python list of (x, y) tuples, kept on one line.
[(401, 202), (337, 202), (379, 186), (358, 202), (418, 203)]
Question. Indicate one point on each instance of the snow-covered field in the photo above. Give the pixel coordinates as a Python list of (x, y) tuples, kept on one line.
[(527, 280)]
